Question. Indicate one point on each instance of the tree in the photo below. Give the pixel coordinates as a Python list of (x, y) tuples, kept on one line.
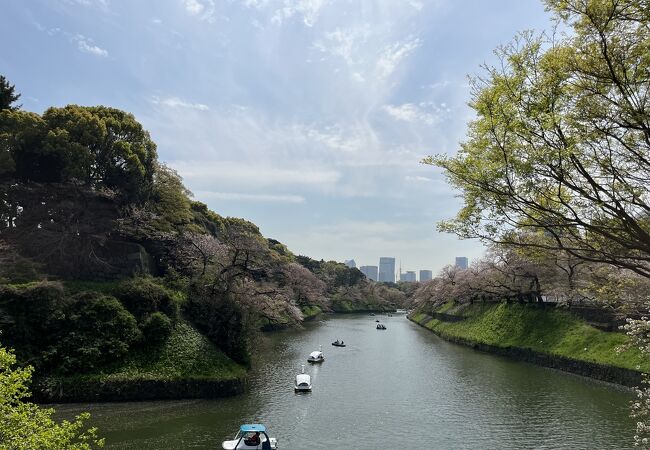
[(8, 95), (561, 141), (100, 147), (26, 426)]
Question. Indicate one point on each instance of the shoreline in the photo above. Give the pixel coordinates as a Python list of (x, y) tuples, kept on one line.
[(597, 371)]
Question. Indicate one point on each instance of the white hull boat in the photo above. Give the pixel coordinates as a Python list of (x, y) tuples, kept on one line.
[(317, 356), (303, 382)]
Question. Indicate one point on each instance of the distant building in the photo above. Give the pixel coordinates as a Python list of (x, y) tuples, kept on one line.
[(408, 276), (425, 275), (386, 269), (350, 263), (370, 272), (461, 262)]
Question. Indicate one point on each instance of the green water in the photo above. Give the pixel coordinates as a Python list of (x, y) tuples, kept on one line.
[(402, 388)]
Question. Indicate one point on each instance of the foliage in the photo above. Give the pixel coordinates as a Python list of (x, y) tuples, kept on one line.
[(143, 296), (559, 146), (31, 313), (156, 329), (639, 332), (26, 426), (94, 331), (97, 146), (186, 354), (546, 330), (8, 95)]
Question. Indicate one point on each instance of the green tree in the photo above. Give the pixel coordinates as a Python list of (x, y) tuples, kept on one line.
[(26, 426), (8, 95), (561, 140)]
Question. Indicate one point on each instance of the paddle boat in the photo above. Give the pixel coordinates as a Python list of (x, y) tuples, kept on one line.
[(251, 436), (316, 356), (303, 381), (381, 326), (338, 343)]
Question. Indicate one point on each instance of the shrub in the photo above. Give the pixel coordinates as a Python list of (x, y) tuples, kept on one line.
[(30, 313), (143, 296), (96, 330), (156, 329)]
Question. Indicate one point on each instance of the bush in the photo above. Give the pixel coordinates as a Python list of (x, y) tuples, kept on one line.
[(156, 329), (95, 331), (30, 315), (143, 296)]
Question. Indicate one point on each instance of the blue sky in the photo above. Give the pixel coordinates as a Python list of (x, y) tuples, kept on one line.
[(307, 117)]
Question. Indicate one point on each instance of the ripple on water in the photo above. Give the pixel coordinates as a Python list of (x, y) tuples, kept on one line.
[(401, 388)]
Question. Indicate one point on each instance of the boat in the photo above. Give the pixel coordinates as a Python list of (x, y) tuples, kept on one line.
[(381, 326), (338, 343), (377, 320), (316, 356), (372, 314), (251, 436), (303, 381)]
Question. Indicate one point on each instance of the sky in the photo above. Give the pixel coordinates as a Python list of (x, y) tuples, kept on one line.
[(307, 117)]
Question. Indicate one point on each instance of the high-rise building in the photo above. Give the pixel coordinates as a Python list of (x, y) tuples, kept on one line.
[(386, 269), (461, 262), (408, 276), (425, 275), (370, 272), (350, 263)]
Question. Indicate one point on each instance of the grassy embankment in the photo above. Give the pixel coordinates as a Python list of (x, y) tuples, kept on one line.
[(544, 330), (187, 365)]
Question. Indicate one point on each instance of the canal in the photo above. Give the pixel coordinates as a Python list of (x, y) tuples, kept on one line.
[(403, 388)]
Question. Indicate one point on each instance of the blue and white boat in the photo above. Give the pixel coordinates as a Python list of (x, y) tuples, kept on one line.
[(251, 436)]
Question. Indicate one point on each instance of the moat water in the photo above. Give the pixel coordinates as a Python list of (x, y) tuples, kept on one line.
[(402, 388)]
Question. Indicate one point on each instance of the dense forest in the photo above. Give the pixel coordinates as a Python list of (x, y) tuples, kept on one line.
[(103, 251)]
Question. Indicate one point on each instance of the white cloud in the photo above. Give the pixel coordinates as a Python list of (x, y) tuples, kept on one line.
[(249, 174), (203, 9), (237, 196), (425, 112), (156, 21), (345, 43), (391, 55), (87, 45), (193, 7), (175, 102), (418, 178), (307, 10)]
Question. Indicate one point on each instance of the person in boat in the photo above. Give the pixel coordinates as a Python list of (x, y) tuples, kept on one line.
[(341, 342), (253, 440)]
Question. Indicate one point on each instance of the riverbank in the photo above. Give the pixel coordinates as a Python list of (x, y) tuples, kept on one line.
[(187, 366), (547, 337)]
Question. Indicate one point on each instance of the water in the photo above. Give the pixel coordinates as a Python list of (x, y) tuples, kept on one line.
[(402, 388)]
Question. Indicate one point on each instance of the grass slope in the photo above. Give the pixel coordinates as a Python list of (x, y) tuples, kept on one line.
[(550, 331), (186, 355)]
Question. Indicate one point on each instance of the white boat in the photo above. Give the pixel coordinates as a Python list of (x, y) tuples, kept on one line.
[(303, 382), (381, 326), (251, 436), (317, 356)]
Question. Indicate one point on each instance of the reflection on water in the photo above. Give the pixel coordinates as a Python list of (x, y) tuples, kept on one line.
[(399, 388)]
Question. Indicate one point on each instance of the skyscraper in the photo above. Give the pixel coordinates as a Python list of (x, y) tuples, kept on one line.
[(425, 275), (350, 263), (408, 276), (370, 272), (387, 269), (461, 262)]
